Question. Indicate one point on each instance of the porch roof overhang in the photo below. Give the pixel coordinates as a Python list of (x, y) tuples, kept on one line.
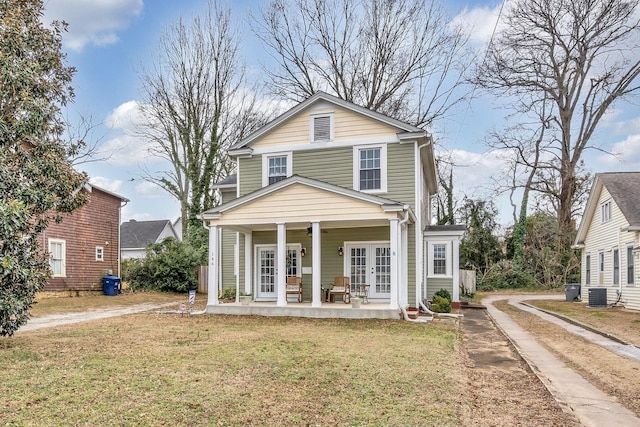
[(299, 200)]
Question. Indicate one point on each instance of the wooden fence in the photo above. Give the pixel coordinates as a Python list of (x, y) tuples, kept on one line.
[(467, 282)]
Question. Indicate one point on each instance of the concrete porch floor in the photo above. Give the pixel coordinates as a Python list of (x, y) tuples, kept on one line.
[(337, 310)]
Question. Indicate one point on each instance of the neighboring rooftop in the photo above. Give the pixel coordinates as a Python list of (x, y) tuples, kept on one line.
[(139, 234), (624, 187)]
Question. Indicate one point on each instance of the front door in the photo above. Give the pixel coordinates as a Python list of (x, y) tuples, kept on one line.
[(370, 264), (266, 269)]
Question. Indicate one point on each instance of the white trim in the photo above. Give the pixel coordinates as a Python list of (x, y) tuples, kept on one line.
[(448, 260), (342, 143), (100, 253), (63, 260), (383, 167), (265, 165), (605, 211)]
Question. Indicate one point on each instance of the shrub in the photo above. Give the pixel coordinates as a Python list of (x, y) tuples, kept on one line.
[(441, 304), (504, 275), (444, 294), (170, 266), (228, 293)]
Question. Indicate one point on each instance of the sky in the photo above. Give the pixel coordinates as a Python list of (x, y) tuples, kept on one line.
[(109, 40)]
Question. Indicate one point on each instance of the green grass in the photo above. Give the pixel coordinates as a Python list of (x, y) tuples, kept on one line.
[(229, 370)]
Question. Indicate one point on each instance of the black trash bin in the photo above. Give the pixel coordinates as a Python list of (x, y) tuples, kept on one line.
[(572, 292), (110, 285)]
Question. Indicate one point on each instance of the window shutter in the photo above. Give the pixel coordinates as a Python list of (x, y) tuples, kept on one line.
[(322, 128)]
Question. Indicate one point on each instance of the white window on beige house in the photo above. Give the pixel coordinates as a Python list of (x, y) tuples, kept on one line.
[(616, 266), (605, 211), (321, 127), (630, 266), (600, 268), (587, 269), (57, 257)]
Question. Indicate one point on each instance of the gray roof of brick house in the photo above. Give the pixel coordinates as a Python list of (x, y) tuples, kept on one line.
[(139, 234), (624, 188)]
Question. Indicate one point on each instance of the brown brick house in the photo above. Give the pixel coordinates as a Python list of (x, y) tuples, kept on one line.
[(84, 247)]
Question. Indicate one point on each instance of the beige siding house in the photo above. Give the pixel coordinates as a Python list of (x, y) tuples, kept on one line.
[(609, 239), (330, 189)]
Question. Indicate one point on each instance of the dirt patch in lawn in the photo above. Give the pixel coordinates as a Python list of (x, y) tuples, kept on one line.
[(503, 390), (613, 374)]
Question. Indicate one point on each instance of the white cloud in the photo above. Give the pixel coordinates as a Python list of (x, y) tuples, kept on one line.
[(95, 22), (150, 190), (115, 186), (479, 22), (626, 156)]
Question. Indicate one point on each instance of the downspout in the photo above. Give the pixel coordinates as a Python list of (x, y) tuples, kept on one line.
[(119, 248), (619, 291)]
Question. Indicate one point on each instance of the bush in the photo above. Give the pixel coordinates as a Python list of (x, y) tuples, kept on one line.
[(228, 293), (441, 304), (170, 266), (504, 275), (444, 294)]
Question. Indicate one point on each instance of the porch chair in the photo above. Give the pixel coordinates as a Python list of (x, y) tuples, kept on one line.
[(340, 286), (294, 286)]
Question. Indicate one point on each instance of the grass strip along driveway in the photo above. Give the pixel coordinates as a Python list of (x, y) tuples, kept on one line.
[(167, 369)]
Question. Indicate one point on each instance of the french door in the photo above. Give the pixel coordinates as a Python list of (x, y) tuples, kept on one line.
[(266, 264), (370, 264)]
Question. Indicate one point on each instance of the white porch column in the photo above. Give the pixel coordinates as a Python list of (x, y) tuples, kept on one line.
[(395, 247), (214, 266), (316, 279), (455, 265), (281, 265), (248, 261), (404, 265)]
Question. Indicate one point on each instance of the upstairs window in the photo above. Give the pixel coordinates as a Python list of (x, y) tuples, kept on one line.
[(370, 169), (605, 211), (275, 167), (322, 128)]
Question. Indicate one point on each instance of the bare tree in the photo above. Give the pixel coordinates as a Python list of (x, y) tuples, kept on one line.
[(579, 56), (401, 58), (195, 106)]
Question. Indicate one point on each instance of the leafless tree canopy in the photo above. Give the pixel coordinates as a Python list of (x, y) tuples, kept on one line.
[(579, 55), (195, 106), (398, 57)]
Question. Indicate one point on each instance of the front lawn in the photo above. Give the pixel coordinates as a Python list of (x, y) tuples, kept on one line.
[(168, 369)]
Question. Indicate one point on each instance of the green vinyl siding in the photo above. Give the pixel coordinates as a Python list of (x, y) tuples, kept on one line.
[(401, 183), (435, 284), (334, 165), (227, 259), (228, 195), (250, 175)]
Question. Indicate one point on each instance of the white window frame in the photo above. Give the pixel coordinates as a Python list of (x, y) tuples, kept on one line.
[(587, 269), (448, 261), (615, 259), (605, 211), (601, 267), (63, 260), (265, 165), (312, 127), (631, 280), (383, 167), (99, 253)]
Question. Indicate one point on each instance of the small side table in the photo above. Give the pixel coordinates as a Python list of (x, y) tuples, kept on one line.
[(363, 292)]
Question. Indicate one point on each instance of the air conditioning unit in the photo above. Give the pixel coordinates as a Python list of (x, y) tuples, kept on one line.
[(597, 297)]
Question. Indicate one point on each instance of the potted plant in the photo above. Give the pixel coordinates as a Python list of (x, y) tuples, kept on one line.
[(355, 302), (245, 299)]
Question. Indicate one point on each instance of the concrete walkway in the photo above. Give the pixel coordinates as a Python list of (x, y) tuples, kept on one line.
[(590, 405)]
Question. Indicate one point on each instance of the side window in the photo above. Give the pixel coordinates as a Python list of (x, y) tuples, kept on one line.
[(293, 258), (321, 128), (370, 169), (99, 253), (440, 259), (616, 266), (630, 265), (57, 257), (587, 270)]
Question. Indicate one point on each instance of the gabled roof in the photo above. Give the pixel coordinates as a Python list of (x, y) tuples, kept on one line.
[(229, 182), (386, 204), (318, 96), (624, 188), (139, 234), (91, 187)]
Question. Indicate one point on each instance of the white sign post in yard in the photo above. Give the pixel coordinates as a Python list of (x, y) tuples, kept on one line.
[(192, 299)]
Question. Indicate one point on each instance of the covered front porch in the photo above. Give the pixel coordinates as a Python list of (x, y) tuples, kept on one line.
[(316, 232)]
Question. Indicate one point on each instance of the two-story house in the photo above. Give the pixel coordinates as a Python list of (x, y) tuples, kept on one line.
[(330, 189), (609, 239), (85, 246)]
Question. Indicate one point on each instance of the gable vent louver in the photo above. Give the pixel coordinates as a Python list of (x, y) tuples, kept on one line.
[(322, 128)]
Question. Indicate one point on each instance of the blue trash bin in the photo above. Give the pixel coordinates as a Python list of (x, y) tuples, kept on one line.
[(110, 285)]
